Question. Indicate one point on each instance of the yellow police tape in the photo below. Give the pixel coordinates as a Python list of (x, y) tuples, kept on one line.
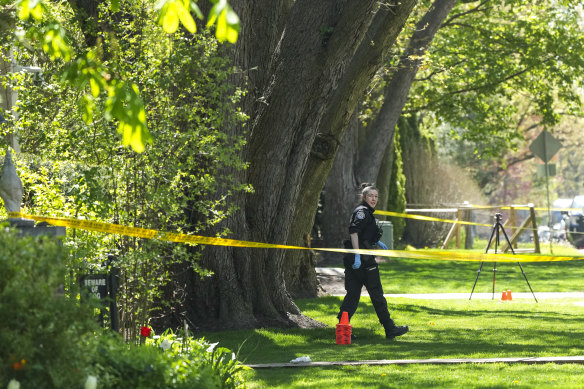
[(429, 218), (454, 221), (203, 240)]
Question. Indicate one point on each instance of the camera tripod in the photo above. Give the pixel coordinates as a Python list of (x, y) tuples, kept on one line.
[(495, 234)]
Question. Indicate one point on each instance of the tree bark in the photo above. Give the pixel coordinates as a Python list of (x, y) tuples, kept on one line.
[(377, 147), (340, 192), (381, 35), (301, 69), (398, 89)]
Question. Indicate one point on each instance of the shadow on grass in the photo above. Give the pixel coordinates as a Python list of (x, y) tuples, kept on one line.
[(438, 329)]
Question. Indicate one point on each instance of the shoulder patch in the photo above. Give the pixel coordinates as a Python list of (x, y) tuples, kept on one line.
[(360, 214)]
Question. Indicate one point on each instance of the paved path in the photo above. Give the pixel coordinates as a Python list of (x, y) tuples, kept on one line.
[(435, 361), (340, 272)]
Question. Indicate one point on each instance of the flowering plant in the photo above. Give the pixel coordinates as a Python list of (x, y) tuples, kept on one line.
[(145, 332)]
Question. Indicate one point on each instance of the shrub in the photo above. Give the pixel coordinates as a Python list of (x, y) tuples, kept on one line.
[(49, 340), (166, 362), (45, 336)]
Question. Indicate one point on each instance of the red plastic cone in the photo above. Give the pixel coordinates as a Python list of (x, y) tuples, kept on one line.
[(345, 318), (344, 329), (504, 296), (509, 295)]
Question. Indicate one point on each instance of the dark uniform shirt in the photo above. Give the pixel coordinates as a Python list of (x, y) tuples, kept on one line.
[(365, 225)]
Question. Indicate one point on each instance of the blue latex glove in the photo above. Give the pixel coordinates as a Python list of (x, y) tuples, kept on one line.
[(382, 245), (357, 263)]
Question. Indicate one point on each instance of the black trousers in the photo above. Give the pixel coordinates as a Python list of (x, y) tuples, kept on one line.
[(367, 276)]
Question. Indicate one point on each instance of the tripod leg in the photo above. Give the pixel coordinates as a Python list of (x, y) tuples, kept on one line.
[(482, 263), (508, 241), (526, 280), (475, 283), (520, 267), (491, 238), (494, 275), (496, 231)]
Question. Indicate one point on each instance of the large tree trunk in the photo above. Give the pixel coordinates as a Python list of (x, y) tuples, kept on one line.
[(396, 92), (340, 106), (339, 193), (373, 163), (299, 67)]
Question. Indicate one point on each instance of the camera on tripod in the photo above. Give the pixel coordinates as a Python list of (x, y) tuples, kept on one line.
[(498, 227)]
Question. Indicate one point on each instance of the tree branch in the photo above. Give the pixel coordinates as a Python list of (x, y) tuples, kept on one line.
[(470, 11), (501, 81)]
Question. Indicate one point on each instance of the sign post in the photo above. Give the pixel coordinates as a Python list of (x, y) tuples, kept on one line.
[(103, 287), (545, 146)]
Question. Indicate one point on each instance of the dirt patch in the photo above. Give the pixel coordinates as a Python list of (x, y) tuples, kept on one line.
[(330, 285)]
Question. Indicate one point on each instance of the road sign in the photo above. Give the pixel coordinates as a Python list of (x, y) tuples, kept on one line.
[(545, 146), (551, 170)]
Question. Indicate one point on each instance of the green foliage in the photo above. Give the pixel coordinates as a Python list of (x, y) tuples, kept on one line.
[(49, 340), (397, 186), (226, 19), (489, 68), (174, 11), (166, 362), (45, 335), (124, 103), (83, 172)]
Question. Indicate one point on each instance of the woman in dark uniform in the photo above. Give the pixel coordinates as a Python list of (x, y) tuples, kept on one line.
[(362, 270)]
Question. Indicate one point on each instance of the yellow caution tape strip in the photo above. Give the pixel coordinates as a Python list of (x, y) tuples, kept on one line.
[(453, 221), (203, 240), (146, 233), (429, 218), (471, 206)]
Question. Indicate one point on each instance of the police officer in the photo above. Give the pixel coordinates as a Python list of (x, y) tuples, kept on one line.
[(362, 269)]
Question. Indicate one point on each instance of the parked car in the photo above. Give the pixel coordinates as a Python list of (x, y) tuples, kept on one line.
[(560, 215), (576, 221)]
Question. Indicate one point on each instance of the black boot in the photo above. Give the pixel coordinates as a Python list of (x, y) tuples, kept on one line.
[(393, 331)]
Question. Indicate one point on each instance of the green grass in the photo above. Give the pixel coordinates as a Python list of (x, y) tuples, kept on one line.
[(438, 329), (423, 376), (433, 276), (427, 276)]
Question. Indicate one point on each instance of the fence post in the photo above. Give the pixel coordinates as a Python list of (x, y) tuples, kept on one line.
[(468, 239), (459, 217), (513, 222), (534, 228)]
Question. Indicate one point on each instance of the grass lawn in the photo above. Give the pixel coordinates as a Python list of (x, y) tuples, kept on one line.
[(438, 329), (433, 276)]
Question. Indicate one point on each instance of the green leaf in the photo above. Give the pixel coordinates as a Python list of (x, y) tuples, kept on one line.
[(54, 43), (215, 12), (168, 17), (37, 11), (95, 89), (115, 5), (28, 8), (195, 8), (233, 25), (227, 21), (185, 17), (87, 108), (24, 10)]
